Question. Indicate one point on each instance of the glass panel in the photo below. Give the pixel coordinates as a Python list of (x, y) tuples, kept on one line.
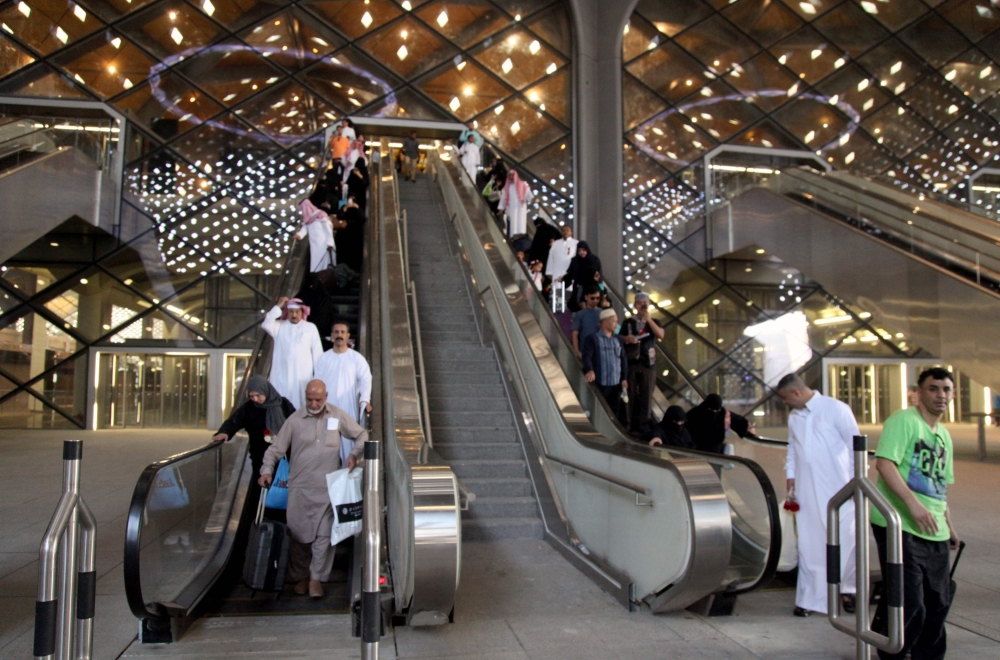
[(66, 387), (163, 184), (466, 89), (521, 8), (894, 65), (975, 74), (219, 306), (281, 179), (234, 14), (29, 280), (293, 39), (168, 106), (670, 18), (940, 163), (265, 258), (554, 165), (739, 390), (810, 9), (287, 112), (718, 43), (408, 48), (518, 58), (935, 41), (671, 141), (93, 304), (42, 81), (670, 72), (638, 103), (677, 282), (859, 153), (465, 22), (407, 104), (225, 147), (864, 343), (110, 10), (977, 135), (809, 55), (30, 345), (721, 111), (12, 57), (24, 411), (828, 322), (553, 26), (857, 93), (894, 14), (518, 129), (641, 173), (6, 386), (156, 326), (721, 319), (48, 25), (230, 71), (137, 144), (673, 209), (763, 81), (107, 64), (356, 18), (991, 46), (349, 80), (688, 349), (558, 207), (140, 266), (813, 122), (552, 95), (763, 20), (974, 18), (639, 37), (170, 28), (897, 129), (643, 246), (853, 30)]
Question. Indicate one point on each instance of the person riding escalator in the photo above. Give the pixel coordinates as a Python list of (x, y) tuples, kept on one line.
[(708, 422)]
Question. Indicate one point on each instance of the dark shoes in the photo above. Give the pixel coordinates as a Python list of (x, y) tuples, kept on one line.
[(802, 612), (849, 603)]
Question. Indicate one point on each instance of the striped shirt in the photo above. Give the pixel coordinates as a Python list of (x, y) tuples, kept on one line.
[(609, 350)]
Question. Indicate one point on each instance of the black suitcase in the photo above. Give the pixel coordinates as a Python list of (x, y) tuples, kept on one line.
[(267, 552)]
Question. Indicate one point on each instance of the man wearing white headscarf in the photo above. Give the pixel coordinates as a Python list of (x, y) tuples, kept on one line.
[(471, 158), (297, 347), (514, 202), (346, 374), (317, 226)]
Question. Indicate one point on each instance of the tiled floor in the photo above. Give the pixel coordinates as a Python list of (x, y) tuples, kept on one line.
[(517, 600)]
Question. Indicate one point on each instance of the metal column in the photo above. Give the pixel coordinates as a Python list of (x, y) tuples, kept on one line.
[(371, 606)]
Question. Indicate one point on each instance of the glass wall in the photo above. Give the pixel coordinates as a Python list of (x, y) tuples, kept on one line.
[(226, 102), (903, 90)]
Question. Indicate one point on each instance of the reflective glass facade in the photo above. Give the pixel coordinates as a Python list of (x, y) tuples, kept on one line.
[(226, 102), (903, 90)]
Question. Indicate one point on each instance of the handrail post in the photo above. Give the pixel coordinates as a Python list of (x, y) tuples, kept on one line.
[(64, 616), (981, 419), (861, 491), (371, 608)]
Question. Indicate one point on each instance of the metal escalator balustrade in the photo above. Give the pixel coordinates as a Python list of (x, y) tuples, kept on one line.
[(648, 527)]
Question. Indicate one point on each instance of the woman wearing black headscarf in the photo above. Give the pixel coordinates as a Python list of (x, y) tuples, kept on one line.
[(261, 416), (670, 431), (581, 271), (357, 184), (708, 421), (542, 241)]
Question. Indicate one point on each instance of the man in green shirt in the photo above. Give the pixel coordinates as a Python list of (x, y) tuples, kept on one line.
[(914, 463)]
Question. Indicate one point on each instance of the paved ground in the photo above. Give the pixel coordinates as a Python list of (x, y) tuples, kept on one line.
[(517, 600)]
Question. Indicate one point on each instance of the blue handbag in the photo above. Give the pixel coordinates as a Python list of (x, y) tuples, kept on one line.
[(277, 494), (168, 491)]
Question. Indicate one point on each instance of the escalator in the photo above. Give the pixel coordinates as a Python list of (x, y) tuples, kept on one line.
[(919, 266)]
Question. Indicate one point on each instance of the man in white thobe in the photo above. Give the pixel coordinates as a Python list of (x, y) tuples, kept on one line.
[(560, 254), (820, 462), (312, 436), (346, 374), (469, 153), (317, 226), (297, 347)]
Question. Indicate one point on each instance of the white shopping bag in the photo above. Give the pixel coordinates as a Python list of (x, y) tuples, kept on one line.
[(344, 488), (789, 557), (558, 297)]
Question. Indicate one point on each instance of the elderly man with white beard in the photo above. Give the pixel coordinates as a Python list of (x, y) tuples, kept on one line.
[(297, 347), (312, 437)]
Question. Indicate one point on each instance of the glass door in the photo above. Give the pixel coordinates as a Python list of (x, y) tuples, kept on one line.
[(152, 391)]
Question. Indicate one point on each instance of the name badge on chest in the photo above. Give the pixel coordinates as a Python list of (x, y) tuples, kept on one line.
[(332, 424)]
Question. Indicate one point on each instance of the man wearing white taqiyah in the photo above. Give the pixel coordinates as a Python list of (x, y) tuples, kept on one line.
[(820, 462), (346, 374), (297, 347)]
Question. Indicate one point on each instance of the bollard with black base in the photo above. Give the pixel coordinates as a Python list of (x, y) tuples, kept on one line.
[(64, 616), (861, 490), (371, 606)]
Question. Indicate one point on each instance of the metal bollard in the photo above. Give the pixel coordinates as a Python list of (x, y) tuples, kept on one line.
[(371, 608), (64, 617), (861, 490)]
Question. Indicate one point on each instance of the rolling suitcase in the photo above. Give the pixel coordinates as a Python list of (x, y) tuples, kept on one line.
[(267, 552)]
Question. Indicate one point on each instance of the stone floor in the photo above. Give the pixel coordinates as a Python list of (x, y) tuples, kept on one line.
[(517, 600)]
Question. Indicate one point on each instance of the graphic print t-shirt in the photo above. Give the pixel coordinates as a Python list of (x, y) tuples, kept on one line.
[(924, 458)]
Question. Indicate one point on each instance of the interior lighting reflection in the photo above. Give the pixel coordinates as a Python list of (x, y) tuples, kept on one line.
[(402, 52), (507, 65), (366, 20), (442, 18), (24, 9)]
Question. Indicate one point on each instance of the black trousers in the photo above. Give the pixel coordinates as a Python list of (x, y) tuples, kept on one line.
[(641, 381), (926, 597), (613, 395)]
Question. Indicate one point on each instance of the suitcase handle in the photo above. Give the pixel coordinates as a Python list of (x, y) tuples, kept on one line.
[(260, 506)]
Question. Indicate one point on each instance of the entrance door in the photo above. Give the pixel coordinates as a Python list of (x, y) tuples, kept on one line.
[(153, 391), (854, 384)]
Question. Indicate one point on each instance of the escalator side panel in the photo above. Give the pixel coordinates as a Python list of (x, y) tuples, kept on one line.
[(948, 316)]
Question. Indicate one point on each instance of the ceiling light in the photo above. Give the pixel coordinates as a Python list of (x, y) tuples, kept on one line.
[(455, 104), (507, 65), (442, 18), (61, 35), (176, 35), (515, 128), (406, 5), (402, 53), (24, 9), (534, 47), (80, 13), (404, 34), (869, 7), (468, 90), (551, 69), (807, 8), (366, 20), (208, 7), (498, 109)]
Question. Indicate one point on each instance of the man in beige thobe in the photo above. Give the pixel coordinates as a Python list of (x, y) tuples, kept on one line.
[(313, 434)]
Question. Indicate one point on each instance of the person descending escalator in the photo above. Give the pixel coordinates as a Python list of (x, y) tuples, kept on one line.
[(580, 273), (639, 333), (297, 346), (670, 432), (708, 422), (604, 363), (357, 183), (545, 236)]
